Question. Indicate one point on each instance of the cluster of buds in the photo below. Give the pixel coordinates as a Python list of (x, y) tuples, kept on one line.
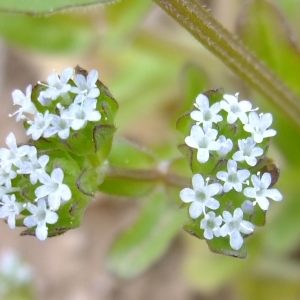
[(46, 183), (226, 144)]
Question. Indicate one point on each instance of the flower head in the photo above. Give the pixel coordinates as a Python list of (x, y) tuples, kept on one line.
[(235, 109), (10, 208), (234, 178), (248, 151), (41, 215), (211, 225), (85, 86), (57, 86), (203, 141), (206, 115), (54, 188), (201, 196), (225, 146), (6, 175), (59, 126), (34, 165), (39, 125), (234, 226), (13, 155), (260, 191), (80, 114), (258, 125), (24, 101)]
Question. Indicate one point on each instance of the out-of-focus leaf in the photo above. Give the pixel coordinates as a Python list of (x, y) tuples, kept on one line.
[(264, 29), (206, 271), (57, 33), (45, 6), (125, 24), (194, 82), (291, 8), (267, 287), (282, 234), (147, 239)]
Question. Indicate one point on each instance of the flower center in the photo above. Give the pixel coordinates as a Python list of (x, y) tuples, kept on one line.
[(80, 115), (201, 196), (235, 108), (233, 178), (207, 115)]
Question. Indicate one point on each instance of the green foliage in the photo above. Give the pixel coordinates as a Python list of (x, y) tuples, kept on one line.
[(264, 28), (139, 246), (47, 6), (56, 33), (143, 68)]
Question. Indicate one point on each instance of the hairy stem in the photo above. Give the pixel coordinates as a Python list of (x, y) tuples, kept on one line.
[(207, 30)]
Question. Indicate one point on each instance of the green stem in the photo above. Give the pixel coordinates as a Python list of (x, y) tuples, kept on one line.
[(146, 175), (207, 30)]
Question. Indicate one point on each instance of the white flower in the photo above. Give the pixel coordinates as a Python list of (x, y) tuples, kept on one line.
[(203, 141), (79, 114), (248, 151), (13, 269), (34, 165), (57, 86), (39, 125), (206, 115), (53, 188), (85, 87), (260, 191), (235, 109), (225, 146), (59, 125), (247, 206), (233, 178), (234, 226), (200, 196), (10, 208), (211, 225), (258, 125), (39, 218), (13, 155), (25, 102), (6, 175)]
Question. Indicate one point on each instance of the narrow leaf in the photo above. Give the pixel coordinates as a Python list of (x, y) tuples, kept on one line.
[(263, 27), (147, 239)]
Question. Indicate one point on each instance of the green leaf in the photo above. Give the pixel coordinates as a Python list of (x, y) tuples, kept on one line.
[(45, 6), (207, 271), (282, 233), (264, 29), (57, 33), (124, 25), (147, 239)]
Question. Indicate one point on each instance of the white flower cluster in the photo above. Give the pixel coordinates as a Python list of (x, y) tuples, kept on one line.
[(74, 116), (205, 138), (23, 161), (50, 190)]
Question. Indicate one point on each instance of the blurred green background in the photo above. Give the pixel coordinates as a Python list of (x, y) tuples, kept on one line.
[(151, 65)]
